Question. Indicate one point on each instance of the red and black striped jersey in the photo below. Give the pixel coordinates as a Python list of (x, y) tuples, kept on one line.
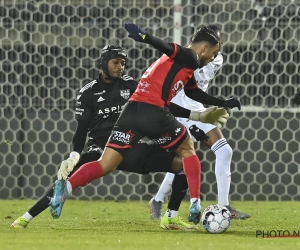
[(167, 76)]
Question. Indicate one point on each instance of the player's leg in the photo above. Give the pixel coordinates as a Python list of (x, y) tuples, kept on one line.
[(171, 219), (43, 202), (156, 203), (192, 169), (121, 139), (143, 158), (169, 133), (88, 172), (223, 152)]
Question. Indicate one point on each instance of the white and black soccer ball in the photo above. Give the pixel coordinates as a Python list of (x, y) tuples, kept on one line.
[(216, 219)]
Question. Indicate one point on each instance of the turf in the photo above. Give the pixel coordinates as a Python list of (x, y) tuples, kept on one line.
[(98, 225)]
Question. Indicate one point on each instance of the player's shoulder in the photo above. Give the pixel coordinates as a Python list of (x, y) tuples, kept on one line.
[(128, 80), (88, 86), (187, 57)]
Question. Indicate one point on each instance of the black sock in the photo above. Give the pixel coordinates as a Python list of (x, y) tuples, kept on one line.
[(42, 203), (179, 189)]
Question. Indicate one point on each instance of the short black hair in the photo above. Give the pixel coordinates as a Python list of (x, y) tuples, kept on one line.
[(206, 34), (214, 27)]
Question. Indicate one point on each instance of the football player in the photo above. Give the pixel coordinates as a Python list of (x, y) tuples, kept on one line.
[(99, 104), (147, 113), (216, 142)]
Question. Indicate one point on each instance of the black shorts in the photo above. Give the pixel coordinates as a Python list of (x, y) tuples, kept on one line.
[(139, 120), (142, 158)]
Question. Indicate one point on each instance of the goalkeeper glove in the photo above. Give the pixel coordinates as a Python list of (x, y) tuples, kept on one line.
[(212, 115), (135, 32), (233, 103), (68, 165), (198, 133), (296, 99)]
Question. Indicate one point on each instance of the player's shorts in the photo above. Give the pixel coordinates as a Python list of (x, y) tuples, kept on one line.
[(142, 158), (206, 127), (139, 120)]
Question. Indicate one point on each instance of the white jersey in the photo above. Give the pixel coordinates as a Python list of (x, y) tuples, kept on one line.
[(203, 77)]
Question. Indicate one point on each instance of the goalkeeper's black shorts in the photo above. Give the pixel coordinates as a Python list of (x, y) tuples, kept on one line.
[(142, 158)]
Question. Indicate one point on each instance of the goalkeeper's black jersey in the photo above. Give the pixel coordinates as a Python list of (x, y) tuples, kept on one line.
[(101, 103)]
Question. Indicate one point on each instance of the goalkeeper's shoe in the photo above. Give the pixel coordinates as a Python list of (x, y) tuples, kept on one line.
[(195, 213), (155, 209), (176, 224), (59, 197), (20, 223), (237, 215)]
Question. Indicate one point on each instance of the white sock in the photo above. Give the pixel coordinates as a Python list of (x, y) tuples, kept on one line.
[(69, 187), (171, 213), (223, 154), (165, 187), (195, 199), (27, 216)]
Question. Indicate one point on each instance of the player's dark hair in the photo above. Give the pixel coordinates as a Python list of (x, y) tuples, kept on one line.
[(205, 34), (214, 27), (109, 52)]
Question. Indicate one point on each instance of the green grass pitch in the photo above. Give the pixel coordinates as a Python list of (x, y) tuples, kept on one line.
[(126, 225)]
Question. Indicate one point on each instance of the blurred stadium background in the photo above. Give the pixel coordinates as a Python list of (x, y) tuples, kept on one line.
[(49, 49)]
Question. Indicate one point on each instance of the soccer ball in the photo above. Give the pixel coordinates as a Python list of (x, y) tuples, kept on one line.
[(216, 219)]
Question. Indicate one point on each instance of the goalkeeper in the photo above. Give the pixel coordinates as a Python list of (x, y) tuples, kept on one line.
[(99, 104), (216, 142), (147, 114)]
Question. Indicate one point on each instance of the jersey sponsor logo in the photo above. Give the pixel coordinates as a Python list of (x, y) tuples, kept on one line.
[(95, 148), (100, 99), (116, 109), (142, 86), (177, 87), (177, 131), (100, 93), (162, 140), (124, 137), (79, 111), (125, 93)]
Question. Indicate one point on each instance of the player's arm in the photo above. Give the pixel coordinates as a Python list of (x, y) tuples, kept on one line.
[(79, 136), (179, 111), (140, 35), (83, 117), (192, 91), (180, 54), (213, 115)]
